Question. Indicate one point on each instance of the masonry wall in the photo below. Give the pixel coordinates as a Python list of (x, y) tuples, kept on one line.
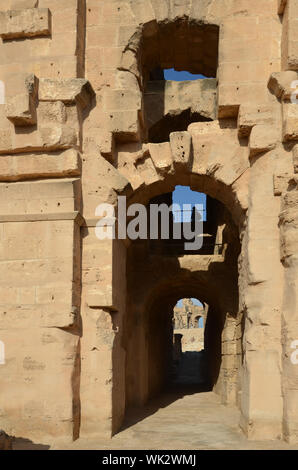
[(73, 134)]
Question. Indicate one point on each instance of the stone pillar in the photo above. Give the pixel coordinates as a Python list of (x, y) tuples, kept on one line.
[(103, 355), (289, 256), (261, 287)]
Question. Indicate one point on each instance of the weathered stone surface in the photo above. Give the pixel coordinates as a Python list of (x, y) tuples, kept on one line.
[(21, 108), (92, 317), (75, 90), (281, 184), (251, 115), (290, 121), (21, 167), (181, 146), (263, 138), (25, 23), (280, 83), (161, 155)]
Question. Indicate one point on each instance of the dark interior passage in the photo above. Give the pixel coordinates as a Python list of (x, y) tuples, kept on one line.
[(159, 274)]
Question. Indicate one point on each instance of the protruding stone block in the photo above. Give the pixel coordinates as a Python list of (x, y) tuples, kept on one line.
[(161, 156), (72, 90), (262, 139), (251, 115), (295, 158), (30, 22), (22, 167), (281, 183), (290, 121), (21, 108), (181, 146), (280, 83)]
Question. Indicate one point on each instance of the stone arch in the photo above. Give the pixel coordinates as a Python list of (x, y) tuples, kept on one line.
[(172, 36), (167, 35), (207, 157), (154, 307)]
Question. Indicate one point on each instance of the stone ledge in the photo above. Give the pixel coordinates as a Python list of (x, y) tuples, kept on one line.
[(27, 23), (76, 216), (24, 167), (69, 91)]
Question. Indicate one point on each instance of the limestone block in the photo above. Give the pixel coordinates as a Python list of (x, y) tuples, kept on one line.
[(181, 147), (146, 170), (288, 224), (48, 137), (25, 23), (107, 145), (124, 124), (142, 11), (100, 299), (172, 98), (263, 368), (263, 138), (281, 183), (161, 156), (289, 37), (72, 90), (251, 115), (128, 62), (45, 197), (21, 107), (40, 356), (20, 111), (290, 121), (21, 167), (280, 83), (217, 152), (295, 158), (161, 9), (22, 4), (122, 99), (55, 112)]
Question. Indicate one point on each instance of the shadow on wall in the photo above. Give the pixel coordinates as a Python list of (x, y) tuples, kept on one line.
[(19, 443)]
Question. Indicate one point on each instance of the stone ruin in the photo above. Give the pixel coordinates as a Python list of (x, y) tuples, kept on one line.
[(86, 117), (188, 327)]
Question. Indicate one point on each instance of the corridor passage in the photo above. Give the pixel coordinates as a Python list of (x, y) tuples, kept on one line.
[(181, 420)]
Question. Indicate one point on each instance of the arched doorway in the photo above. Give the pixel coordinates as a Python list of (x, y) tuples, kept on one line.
[(158, 275)]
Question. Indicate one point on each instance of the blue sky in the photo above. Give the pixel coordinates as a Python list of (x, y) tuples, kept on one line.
[(184, 195), (172, 74)]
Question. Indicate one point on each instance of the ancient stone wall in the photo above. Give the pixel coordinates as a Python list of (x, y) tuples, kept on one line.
[(75, 129)]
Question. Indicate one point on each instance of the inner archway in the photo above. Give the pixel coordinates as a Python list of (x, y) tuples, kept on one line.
[(189, 358), (160, 273)]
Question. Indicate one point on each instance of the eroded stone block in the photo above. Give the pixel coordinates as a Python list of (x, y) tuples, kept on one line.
[(181, 146), (26, 23)]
